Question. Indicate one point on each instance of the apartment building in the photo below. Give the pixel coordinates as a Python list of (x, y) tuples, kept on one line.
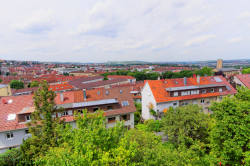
[(159, 95), (5, 90), (16, 111)]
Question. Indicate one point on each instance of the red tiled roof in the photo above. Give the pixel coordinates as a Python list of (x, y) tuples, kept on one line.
[(60, 87), (120, 76), (158, 88), (245, 79), (24, 104)]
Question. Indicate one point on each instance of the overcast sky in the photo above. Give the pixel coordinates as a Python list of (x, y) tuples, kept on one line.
[(117, 30)]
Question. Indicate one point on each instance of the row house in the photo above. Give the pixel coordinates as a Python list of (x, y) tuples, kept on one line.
[(159, 95), (117, 104)]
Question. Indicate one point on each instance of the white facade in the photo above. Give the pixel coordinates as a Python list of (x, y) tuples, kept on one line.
[(15, 141), (147, 100)]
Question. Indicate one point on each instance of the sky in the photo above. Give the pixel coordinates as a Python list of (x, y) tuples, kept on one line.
[(124, 30)]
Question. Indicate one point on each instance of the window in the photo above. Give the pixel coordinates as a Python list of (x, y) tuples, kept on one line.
[(174, 104), (28, 117), (125, 103), (184, 93), (204, 91), (95, 109), (125, 117), (175, 94), (9, 135), (65, 113), (220, 89), (80, 111), (110, 107), (212, 90), (111, 119), (202, 101), (194, 92)]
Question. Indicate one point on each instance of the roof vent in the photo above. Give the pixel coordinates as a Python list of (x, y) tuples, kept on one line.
[(185, 80), (10, 101), (11, 117), (176, 82), (120, 91)]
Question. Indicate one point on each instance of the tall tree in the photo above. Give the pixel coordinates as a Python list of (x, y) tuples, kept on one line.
[(184, 125), (43, 127), (231, 132)]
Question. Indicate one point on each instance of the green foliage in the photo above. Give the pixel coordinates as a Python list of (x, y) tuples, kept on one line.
[(16, 84), (66, 74), (137, 114), (10, 157), (43, 127), (140, 76), (1, 80), (183, 125), (151, 126), (205, 71), (89, 144), (33, 84), (231, 131), (246, 71)]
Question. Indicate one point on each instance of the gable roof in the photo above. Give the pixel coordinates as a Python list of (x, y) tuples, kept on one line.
[(245, 79), (158, 87)]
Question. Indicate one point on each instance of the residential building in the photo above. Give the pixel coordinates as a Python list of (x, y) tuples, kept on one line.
[(159, 95), (116, 102), (5, 90), (242, 80)]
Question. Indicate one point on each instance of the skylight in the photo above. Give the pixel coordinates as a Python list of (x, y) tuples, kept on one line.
[(11, 117), (217, 79)]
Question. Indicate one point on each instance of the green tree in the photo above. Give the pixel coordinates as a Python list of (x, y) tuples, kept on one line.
[(137, 114), (10, 157), (33, 84), (89, 144), (43, 127), (231, 131), (16, 84), (1, 80), (246, 71), (184, 125), (205, 71)]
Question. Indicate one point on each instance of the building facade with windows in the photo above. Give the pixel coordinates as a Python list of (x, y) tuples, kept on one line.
[(160, 95), (117, 104)]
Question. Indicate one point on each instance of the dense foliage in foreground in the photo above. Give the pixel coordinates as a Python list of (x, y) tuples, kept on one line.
[(194, 138)]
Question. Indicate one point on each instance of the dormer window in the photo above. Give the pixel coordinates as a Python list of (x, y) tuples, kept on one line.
[(212, 90), (175, 94), (27, 117)]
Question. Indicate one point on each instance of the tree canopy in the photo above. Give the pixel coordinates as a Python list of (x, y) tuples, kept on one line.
[(16, 84)]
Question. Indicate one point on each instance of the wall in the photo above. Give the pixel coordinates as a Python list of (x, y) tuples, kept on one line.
[(5, 91), (129, 122), (19, 135), (147, 99)]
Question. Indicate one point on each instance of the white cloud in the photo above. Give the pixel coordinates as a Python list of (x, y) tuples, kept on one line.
[(100, 30), (199, 40), (38, 22), (235, 40), (244, 15)]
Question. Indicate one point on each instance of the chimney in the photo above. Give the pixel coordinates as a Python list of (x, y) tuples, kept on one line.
[(185, 80), (61, 97), (84, 95), (198, 79)]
